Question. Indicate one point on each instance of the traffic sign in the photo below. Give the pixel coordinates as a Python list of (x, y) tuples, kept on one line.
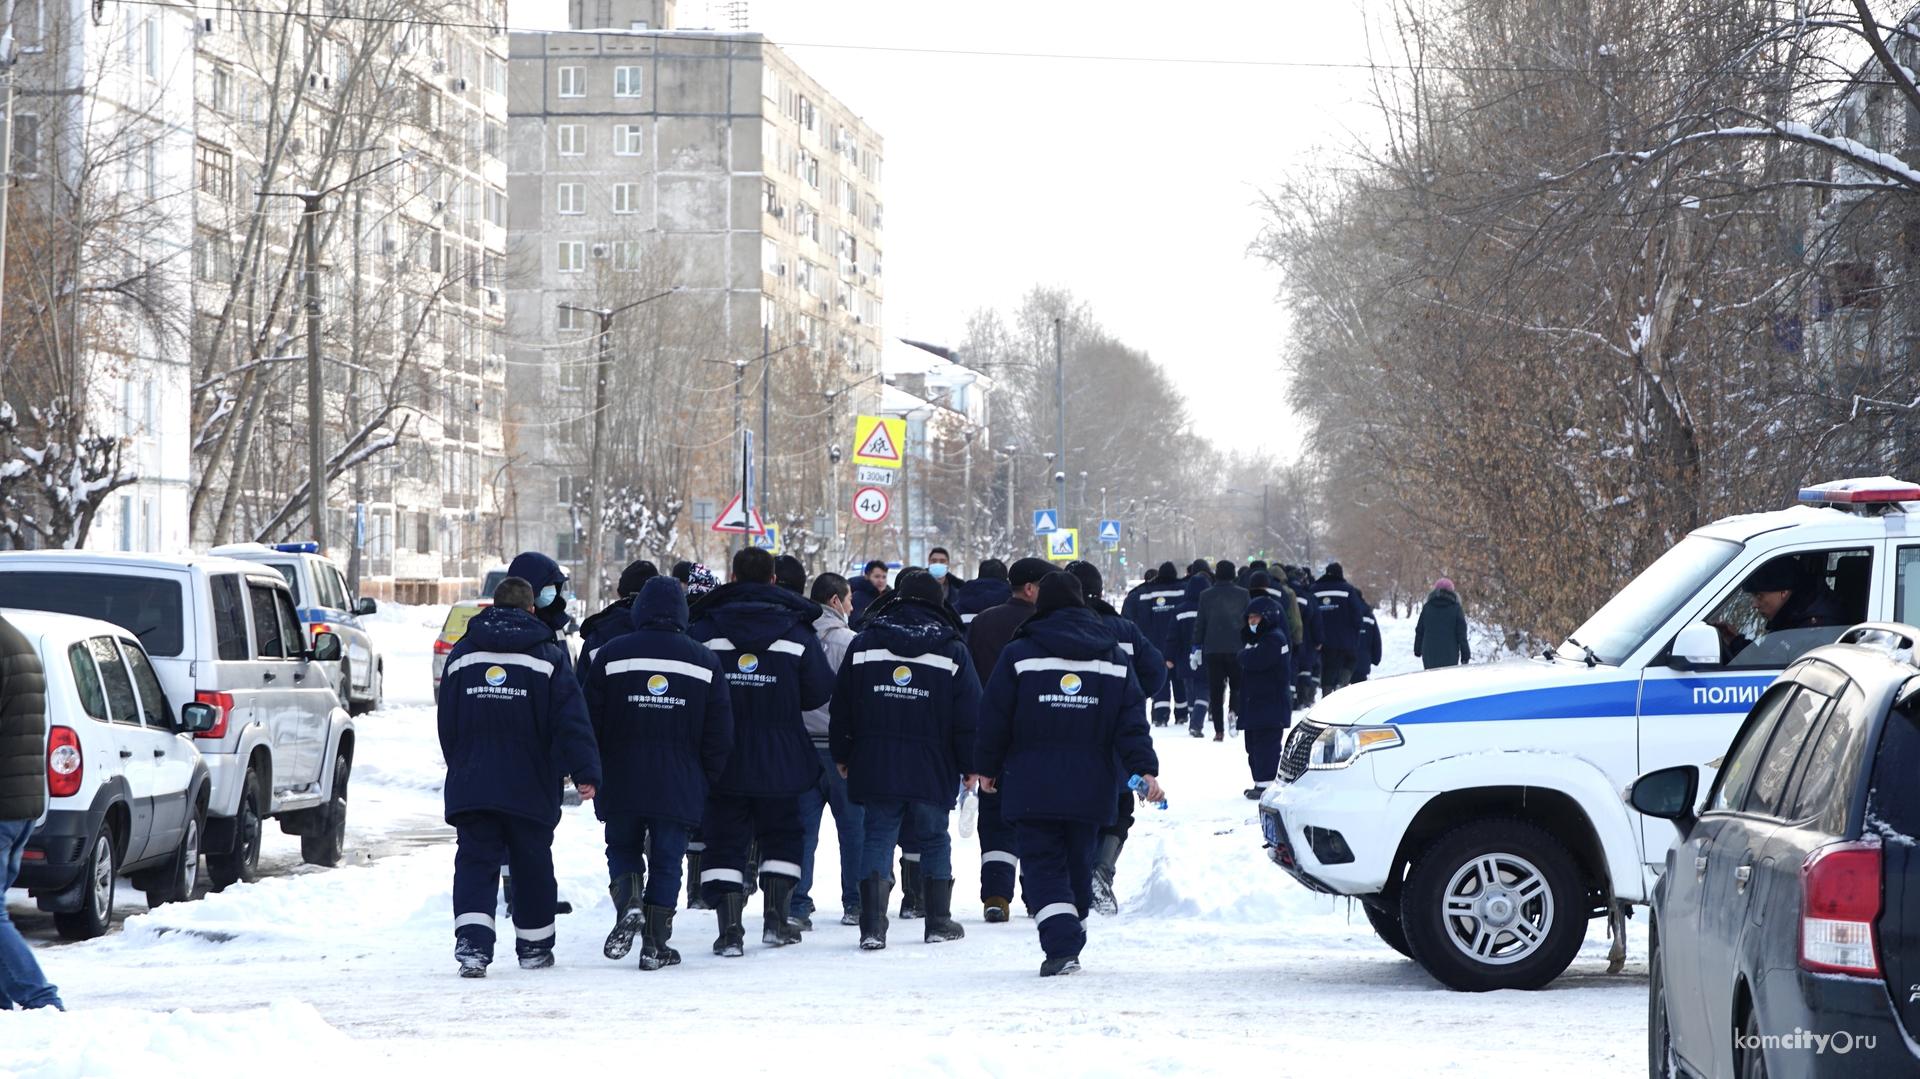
[(738, 518), (880, 441), (768, 540), (1109, 531), (874, 474), (870, 505), (1063, 544), (1045, 522)]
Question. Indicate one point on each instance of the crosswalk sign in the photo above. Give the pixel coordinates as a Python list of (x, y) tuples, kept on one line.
[(1045, 522), (1063, 545), (1109, 531), (768, 540), (880, 441)]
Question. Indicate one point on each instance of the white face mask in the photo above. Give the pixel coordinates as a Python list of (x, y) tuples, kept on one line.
[(545, 598), (938, 569)]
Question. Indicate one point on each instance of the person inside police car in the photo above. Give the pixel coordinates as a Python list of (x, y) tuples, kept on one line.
[(1785, 597)]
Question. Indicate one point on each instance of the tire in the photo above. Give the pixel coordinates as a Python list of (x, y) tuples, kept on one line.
[(1386, 924), (183, 874), (1494, 904), (99, 872), (1750, 1063), (243, 862), (1659, 1028), (328, 844)]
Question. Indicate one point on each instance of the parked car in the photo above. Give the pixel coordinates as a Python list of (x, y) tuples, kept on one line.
[(1475, 811), (326, 604), (224, 633), (1785, 935), (127, 790), (454, 628), (491, 581)]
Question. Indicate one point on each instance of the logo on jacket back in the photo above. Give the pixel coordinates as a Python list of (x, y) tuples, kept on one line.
[(749, 662), (496, 675), (902, 675), (1069, 683), (657, 684)]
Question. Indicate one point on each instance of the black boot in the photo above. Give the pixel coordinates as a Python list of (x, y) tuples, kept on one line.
[(1105, 857), (656, 931), (873, 912), (938, 893), (910, 905), (1066, 964), (694, 902), (626, 915), (776, 891), (732, 941)]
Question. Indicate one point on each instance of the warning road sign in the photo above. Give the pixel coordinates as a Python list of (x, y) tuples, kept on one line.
[(738, 518), (879, 441), (1045, 522), (870, 504), (768, 540), (1063, 545)]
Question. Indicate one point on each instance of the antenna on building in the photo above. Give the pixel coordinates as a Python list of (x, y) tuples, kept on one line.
[(737, 14)]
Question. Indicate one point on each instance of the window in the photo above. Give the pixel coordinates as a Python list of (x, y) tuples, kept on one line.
[(563, 546), (573, 198), (1737, 767), (213, 258), (27, 25), (1826, 787), (497, 208), (626, 198), (216, 170), (153, 699), (627, 139), (770, 257), (626, 256), (1770, 777), (626, 82), (229, 621), (573, 82), (26, 144), (572, 319), (149, 608), (572, 139), (1906, 586), (143, 47), (1832, 598), (423, 532), (810, 169), (772, 195), (268, 641), (573, 256), (220, 89), (121, 706), (86, 678)]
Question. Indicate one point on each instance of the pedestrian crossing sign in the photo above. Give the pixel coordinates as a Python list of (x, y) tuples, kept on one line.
[(768, 540), (880, 441), (1045, 522), (1109, 531), (1063, 544)]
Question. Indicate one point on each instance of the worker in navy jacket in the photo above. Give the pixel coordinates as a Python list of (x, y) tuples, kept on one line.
[(1266, 666), (1183, 650), (1340, 608), (664, 722), (988, 589), (1154, 605), (1306, 661), (901, 730), (1369, 655), (986, 636), (1062, 709), (776, 670), (512, 726)]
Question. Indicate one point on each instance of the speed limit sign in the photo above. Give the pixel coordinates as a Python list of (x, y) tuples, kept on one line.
[(870, 504)]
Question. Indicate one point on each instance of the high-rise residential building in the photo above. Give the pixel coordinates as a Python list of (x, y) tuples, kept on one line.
[(681, 203)]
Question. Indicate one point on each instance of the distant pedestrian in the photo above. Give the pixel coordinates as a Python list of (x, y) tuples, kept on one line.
[(1222, 612), (832, 593), (986, 636), (869, 586), (989, 588), (1440, 636), (939, 565), (1266, 671), (1339, 605), (1180, 646), (790, 574), (1154, 606), (23, 803), (616, 618), (1370, 645)]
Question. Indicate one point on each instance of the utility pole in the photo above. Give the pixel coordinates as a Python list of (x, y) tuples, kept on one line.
[(1060, 396), (766, 415), (6, 176)]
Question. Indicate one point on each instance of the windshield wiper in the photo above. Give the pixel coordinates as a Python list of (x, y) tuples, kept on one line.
[(1592, 660)]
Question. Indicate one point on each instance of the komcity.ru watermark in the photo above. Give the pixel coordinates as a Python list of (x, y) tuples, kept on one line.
[(1839, 1042)]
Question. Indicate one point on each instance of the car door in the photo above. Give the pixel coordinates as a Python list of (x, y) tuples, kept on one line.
[(135, 749), (311, 695), (1688, 715), (355, 644), (172, 755), (276, 705)]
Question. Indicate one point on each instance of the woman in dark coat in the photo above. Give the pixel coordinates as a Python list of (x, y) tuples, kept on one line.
[(1440, 637)]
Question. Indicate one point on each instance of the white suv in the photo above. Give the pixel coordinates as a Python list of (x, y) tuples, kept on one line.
[(321, 596), (1476, 812), (127, 791), (223, 633)]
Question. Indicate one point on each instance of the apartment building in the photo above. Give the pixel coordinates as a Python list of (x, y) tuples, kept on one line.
[(718, 204)]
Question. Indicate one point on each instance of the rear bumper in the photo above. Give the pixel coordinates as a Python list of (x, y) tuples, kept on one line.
[(1855, 1016), (56, 849)]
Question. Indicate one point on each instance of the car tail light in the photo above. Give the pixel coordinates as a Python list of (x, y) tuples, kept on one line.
[(66, 766), (222, 706), (317, 629), (441, 646), (1839, 902), (31, 855)]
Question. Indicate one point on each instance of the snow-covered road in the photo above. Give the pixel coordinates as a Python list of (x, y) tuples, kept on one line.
[(1217, 964)]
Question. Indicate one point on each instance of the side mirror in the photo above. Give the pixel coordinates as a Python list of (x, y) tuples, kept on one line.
[(1698, 644), (197, 718), (1669, 794), (326, 647), (366, 606)]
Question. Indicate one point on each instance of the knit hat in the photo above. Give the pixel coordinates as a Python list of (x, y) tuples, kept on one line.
[(1223, 570), (1777, 575), (1444, 584), (1198, 568), (789, 574), (1335, 573), (1167, 573), (1028, 571), (1259, 580), (921, 585), (700, 580), (1058, 590), (636, 576), (1088, 575)]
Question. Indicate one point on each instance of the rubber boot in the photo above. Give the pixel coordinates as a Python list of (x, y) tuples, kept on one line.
[(626, 914), (694, 901), (732, 940), (938, 893), (873, 912), (752, 874), (776, 891), (656, 930), (1105, 857), (997, 910), (1066, 964), (910, 904)]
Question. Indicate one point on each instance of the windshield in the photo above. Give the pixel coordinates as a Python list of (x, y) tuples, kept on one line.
[(493, 579), (1642, 607)]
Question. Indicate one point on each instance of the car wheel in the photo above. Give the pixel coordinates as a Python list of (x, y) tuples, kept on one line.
[(243, 862), (1750, 1063), (1659, 1030), (1386, 923), (1494, 904), (327, 845), (100, 870), (184, 873)]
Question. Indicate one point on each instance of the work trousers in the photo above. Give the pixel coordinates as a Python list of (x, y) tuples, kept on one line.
[(734, 821), (650, 848), (1337, 667), (1057, 859), (1179, 689), (999, 862), (1223, 679), (1263, 753), (486, 841)]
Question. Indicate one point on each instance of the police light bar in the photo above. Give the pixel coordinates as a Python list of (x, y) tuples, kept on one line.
[(1877, 489), (310, 547)]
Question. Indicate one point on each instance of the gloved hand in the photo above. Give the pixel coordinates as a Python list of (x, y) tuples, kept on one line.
[(1193, 660)]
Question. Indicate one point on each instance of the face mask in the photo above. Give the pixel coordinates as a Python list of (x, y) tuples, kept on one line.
[(546, 597), (938, 569)]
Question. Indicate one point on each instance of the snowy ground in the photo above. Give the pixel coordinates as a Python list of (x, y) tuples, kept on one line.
[(1217, 964)]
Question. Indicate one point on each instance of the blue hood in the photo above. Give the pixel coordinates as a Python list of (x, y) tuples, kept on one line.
[(754, 616), (909, 628), (1197, 584), (1272, 616), (980, 593), (537, 570), (661, 605), (1070, 633), (506, 629)]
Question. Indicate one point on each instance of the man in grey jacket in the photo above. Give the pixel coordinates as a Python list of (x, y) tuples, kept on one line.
[(1216, 633), (832, 593), (23, 801)]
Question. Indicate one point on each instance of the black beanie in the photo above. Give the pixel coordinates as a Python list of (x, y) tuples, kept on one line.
[(1088, 575), (1335, 573), (1167, 572), (1198, 568), (789, 574), (1028, 571), (636, 576), (1777, 575), (1058, 590), (1259, 580), (921, 585), (1223, 570)]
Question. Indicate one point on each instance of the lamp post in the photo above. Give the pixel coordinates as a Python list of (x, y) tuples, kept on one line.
[(1060, 397)]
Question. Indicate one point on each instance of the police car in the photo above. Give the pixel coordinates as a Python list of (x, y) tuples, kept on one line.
[(1476, 812), (325, 603)]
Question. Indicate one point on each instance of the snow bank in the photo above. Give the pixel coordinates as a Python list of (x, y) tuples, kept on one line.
[(287, 1038)]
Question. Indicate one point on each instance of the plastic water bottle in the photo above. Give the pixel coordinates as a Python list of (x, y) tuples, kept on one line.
[(1138, 785), (969, 813)]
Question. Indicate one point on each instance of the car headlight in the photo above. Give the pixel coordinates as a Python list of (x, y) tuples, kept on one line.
[(1338, 747)]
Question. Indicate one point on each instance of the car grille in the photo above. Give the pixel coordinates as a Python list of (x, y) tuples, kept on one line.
[(1293, 761)]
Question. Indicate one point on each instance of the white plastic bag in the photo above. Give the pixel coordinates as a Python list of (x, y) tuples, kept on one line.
[(969, 813)]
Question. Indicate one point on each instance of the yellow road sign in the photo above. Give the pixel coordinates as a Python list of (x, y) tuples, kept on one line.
[(880, 441), (1063, 544)]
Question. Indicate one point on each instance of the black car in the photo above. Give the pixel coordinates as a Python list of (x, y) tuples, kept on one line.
[(1786, 925)]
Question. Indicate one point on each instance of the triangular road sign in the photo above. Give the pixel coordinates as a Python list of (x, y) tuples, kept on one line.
[(879, 445), (738, 518)]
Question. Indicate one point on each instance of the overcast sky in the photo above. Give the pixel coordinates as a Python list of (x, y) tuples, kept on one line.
[(1131, 183)]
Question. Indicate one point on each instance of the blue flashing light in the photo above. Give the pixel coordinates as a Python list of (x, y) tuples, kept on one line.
[(308, 547)]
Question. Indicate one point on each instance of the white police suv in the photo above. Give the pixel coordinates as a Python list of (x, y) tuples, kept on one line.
[(1476, 812)]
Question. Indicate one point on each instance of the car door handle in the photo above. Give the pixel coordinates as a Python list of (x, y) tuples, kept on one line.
[(159, 752), (267, 677), (299, 676), (126, 753)]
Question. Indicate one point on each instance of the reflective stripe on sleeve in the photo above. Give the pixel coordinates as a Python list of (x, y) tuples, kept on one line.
[(720, 644), (1126, 647), (987, 856)]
